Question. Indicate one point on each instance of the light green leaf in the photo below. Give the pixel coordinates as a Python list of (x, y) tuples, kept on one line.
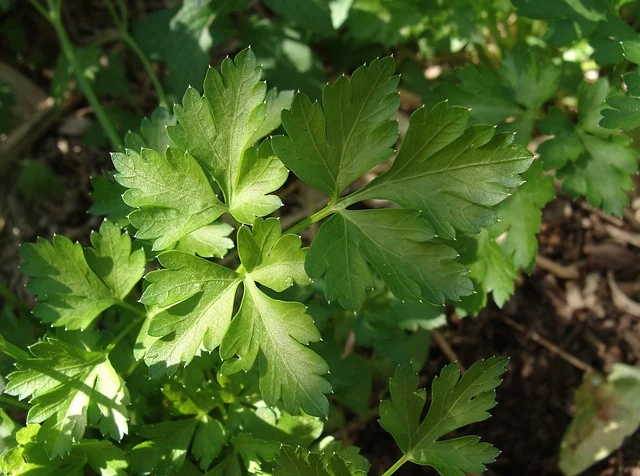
[(70, 388), (298, 461), (107, 200), (275, 333), (491, 269), (71, 294), (331, 145), (165, 450), (255, 451), (8, 430), (322, 17), (197, 296), (153, 132), (397, 244), (209, 241), (208, 442), (276, 103), (452, 174), (30, 458), (217, 129), (521, 217), (455, 402), (624, 112), (261, 173), (607, 412), (111, 258), (171, 194), (272, 259)]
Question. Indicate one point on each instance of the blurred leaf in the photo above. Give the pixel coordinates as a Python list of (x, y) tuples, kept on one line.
[(607, 412), (37, 182)]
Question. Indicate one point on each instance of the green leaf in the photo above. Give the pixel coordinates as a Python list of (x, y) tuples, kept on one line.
[(8, 430), (209, 241), (552, 9), (111, 259), (165, 450), (452, 174), (288, 60), (184, 36), (197, 297), (321, 17), (255, 451), (590, 160), (210, 438), (107, 200), (455, 402), (70, 388), (624, 112), (31, 458), (380, 21), (275, 333), (272, 259), (218, 130), (73, 292), (491, 269), (171, 194), (607, 412), (527, 80), (298, 461), (521, 216), (397, 244), (331, 145), (276, 103), (153, 132)]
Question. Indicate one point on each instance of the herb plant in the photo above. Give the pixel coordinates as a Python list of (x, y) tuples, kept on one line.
[(197, 334)]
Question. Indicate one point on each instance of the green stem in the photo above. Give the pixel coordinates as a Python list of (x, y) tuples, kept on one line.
[(123, 333), (132, 308), (114, 15), (55, 19), (14, 402), (122, 35), (331, 208), (157, 85), (619, 71), (12, 299), (396, 466)]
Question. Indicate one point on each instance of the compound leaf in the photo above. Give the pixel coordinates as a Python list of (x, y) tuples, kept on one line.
[(455, 402), (397, 244), (331, 145), (276, 332), (590, 159), (197, 297), (70, 388)]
